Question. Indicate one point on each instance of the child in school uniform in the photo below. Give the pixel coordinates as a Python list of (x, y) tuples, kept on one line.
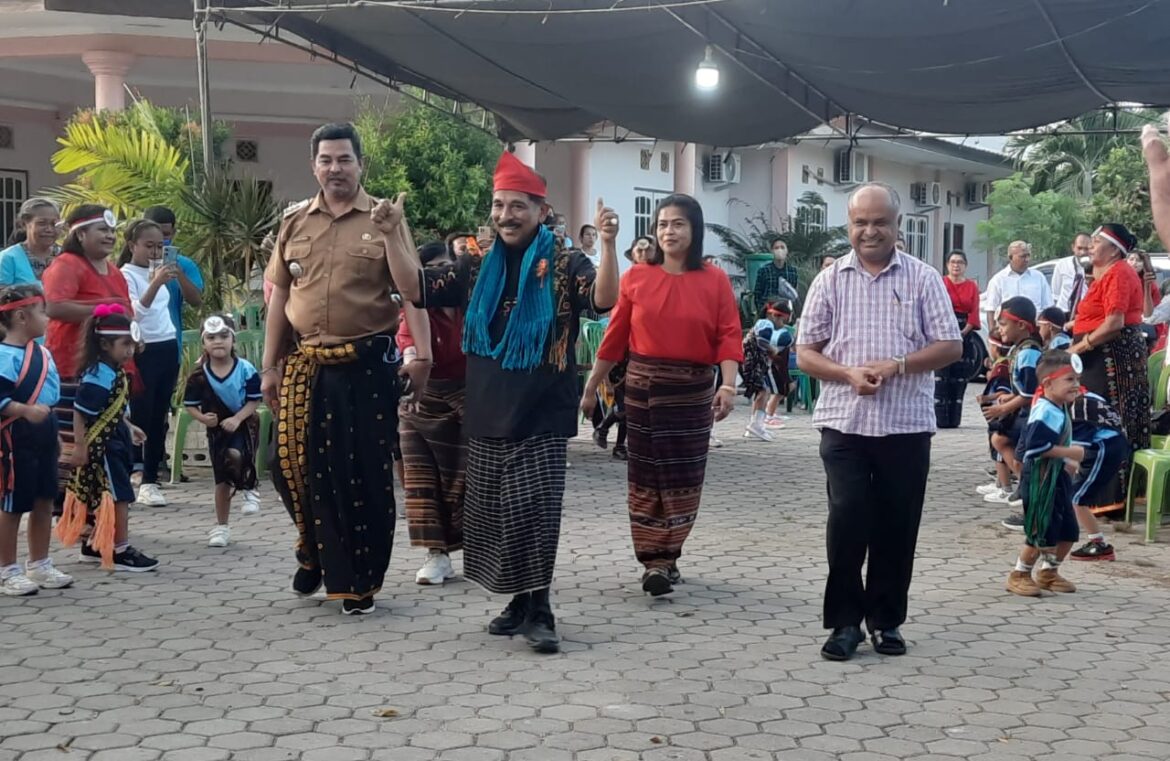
[(223, 393), (105, 439), (1050, 460), (1097, 428), (1017, 327), (1051, 324), (999, 385), (29, 387), (766, 349)]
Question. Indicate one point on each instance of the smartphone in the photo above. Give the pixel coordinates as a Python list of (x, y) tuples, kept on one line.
[(485, 232), (170, 255)]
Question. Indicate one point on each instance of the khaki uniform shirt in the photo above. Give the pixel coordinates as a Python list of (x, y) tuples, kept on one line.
[(339, 282)]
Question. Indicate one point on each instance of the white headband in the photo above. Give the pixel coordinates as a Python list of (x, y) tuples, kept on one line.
[(1112, 239), (134, 331), (216, 324), (106, 216)]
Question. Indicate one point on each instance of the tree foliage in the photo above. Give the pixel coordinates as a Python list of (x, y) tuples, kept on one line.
[(1123, 195), (1049, 220), (443, 163)]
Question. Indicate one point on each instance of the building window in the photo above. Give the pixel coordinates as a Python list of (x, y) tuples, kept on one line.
[(917, 233), (644, 161), (811, 217), (643, 214), (664, 161), (952, 238), (13, 191)]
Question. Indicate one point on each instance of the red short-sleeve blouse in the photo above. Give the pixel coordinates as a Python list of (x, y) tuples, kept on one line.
[(1119, 290)]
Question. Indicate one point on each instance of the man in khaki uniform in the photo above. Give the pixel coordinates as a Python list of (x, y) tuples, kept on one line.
[(341, 265)]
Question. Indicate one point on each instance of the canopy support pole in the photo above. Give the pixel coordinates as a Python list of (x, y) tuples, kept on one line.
[(205, 125)]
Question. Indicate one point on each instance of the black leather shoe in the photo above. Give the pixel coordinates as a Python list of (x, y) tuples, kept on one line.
[(842, 643), (889, 642), (306, 581), (540, 631), (511, 621)]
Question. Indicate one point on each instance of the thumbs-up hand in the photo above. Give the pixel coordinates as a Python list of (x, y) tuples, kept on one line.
[(606, 222), (387, 215)]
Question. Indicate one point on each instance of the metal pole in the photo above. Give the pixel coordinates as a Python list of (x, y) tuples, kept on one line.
[(200, 8)]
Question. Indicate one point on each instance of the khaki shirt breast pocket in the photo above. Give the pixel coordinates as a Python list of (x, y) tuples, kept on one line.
[(298, 262), (367, 261)]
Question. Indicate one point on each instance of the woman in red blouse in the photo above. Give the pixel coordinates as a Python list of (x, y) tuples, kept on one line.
[(951, 381), (1107, 337), (676, 317)]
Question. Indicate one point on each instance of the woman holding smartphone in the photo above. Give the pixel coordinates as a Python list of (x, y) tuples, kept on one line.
[(147, 274), (1151, 295)]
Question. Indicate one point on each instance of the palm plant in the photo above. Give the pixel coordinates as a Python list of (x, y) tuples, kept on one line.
[(1059, 160)]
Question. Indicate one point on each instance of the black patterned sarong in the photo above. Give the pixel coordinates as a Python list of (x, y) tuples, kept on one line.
[(337, 427)]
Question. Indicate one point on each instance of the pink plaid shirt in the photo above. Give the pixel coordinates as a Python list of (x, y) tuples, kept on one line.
[(864, 317)]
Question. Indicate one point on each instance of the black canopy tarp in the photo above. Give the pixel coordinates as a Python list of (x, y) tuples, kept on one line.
[(958, 66)]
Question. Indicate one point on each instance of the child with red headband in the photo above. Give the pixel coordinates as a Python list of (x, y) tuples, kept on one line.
[(766, 348), (1009, 413), (29, 387), (104, 445), (1050, 460)]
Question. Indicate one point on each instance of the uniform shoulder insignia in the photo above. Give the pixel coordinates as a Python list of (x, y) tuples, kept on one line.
[(293, 209)]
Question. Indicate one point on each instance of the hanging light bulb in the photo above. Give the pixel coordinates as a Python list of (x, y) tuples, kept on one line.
[(707, 75)]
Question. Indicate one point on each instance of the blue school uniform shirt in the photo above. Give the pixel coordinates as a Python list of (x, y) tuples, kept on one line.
[(779, 338), (240, 386), (1045, 429), (1060, 341), (11, 360), (191, 270), (1024, 381), (94, 390)]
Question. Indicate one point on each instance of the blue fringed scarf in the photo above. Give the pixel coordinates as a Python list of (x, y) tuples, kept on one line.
[(522, 346)]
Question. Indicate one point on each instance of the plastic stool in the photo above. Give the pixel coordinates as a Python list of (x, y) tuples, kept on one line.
[(1156, 466)]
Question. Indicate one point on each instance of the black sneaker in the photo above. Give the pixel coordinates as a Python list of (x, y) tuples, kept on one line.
[(306, 581), (1015, 501), (89, 554), (361, 607), (540, 632), (133, 561), (620, 453), (656, 582), (1015, 522), (673, 574), (601, 438), (1094, 550), (511, 621)]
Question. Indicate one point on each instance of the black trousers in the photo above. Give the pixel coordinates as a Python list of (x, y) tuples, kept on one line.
[(876, 488), (158, 365)]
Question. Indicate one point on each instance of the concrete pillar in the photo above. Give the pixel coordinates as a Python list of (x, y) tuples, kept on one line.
[(778, 213), (109, 69), (581, 206), (684, 168), (526, 152)]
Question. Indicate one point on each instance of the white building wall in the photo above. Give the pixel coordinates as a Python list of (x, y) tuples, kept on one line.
[(34, 143)]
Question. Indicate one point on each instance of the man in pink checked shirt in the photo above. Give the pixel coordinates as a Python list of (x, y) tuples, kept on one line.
[(876, 325)]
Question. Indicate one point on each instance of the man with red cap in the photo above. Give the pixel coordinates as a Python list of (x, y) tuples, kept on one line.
[(523, 300)]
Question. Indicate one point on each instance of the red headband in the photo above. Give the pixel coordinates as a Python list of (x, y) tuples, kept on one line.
[(29, 301), (775, 310), (1008, 314), (1059, 372), (1109, 236)]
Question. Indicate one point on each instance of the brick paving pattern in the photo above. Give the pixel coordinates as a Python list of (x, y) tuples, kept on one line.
[(213, 658)]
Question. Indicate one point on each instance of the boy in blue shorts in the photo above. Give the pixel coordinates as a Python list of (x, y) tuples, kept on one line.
[(1050, 460)]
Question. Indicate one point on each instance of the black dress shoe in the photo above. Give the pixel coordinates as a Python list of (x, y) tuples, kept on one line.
[(842, 643), (889, 642), (306, 581)]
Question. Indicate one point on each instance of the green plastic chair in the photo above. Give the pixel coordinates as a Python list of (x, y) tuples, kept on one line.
[(251, 317), (1156, 441), (1155, 364), (1154, 465)]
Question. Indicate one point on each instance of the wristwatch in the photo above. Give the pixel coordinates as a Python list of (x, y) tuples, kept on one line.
[(901, 360)]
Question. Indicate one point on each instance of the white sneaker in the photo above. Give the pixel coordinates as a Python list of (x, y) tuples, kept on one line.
[(716, 443), (436, 570), (149, 495), (219, 536), (990, 488), (758, 431), (16, 584), (48, 577), (251, 503), (998, 497)]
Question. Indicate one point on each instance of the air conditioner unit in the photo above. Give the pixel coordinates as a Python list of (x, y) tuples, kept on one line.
[(851, 167), (723, 168), (918, 193), (977, 193), (927, 193)]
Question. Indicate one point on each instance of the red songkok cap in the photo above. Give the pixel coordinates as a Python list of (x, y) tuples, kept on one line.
[(513, 174)]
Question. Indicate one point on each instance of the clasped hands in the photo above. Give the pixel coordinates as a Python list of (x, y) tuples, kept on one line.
[(868, 378)]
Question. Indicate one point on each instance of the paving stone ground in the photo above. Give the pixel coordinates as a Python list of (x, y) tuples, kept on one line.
[(213, 658)]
